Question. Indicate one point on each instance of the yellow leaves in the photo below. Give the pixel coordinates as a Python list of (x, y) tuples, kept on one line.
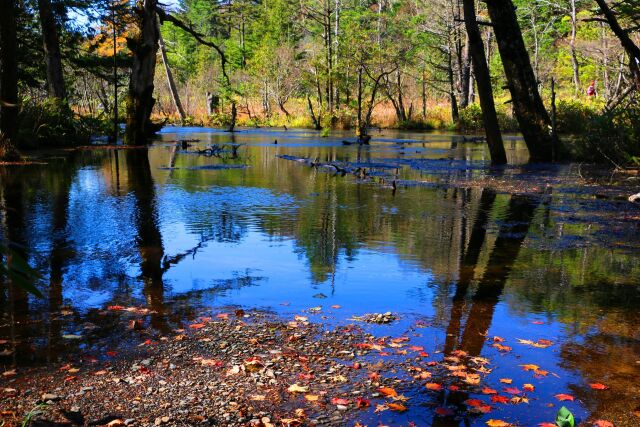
[(506, 380), (312, 397), (258, 397), (339, 379), (295, 388), (541, 343), (528, 387), (530, 367), (519, 399), (498, 423)]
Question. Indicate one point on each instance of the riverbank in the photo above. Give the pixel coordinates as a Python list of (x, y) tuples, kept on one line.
[(256, 369)]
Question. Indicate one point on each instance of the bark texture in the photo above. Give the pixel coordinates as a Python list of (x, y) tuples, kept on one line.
[(140, 101), (532, 117), (8, 69), (483, 78), (55, 75)]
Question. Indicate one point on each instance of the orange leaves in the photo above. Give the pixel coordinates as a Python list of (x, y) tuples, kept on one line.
[(512, 390), (197, 325), (530, 367), (602, 423), (506, 380), (312, 397), (502, 348), (529, 387), (398, 407), (434, 386), (496, 398), (388, 391), (488, 390), (599, 386), (498, 423), (562, 397)]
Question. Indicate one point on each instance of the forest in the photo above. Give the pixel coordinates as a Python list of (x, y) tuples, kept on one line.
[(564, 73)]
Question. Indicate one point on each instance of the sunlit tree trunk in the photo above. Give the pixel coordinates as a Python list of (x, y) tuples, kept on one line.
[(8, 69), (530, 112), (55, 75), (171, 82), (485, 90)]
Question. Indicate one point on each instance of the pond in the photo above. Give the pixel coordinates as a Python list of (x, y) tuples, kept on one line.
[(404, 225)]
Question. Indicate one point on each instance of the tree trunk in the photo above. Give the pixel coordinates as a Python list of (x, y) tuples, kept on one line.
[(455, 114), (314, 119), (172, 84), (465, 74), (528, 107), (572, 45), (8, 69), (140, 99), (55, 76), (485, 91)]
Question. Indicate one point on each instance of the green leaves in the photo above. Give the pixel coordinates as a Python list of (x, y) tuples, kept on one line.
[(565, 418)]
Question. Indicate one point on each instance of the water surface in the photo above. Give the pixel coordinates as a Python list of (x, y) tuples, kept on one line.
[(180, 232)]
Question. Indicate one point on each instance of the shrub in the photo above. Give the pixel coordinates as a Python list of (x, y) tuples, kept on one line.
[(50, 121), (571, 116), (610, 137), (471, 119)]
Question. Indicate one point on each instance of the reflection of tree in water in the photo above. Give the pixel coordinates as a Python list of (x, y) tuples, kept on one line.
[(487, 294)]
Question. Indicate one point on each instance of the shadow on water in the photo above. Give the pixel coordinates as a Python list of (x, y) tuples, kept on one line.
[(180, 233)]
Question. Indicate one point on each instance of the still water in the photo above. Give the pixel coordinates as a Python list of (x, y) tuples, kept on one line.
[(179, 232)]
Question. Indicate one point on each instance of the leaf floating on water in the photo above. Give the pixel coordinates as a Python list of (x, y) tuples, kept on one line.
[(506, 380), (599, 386), (499, 399), (563, 397), (602, 423), (312, 397), (388, 391), (498, 423), (488, 390), (398, 407), (528, 387), (434, 386)]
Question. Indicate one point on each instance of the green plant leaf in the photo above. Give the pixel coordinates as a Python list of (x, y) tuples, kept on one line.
[(565, 418)]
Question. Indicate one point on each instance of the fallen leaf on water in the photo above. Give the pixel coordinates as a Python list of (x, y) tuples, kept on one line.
[(598, 386), (361, 402), (529, 387), (388, 391), (380, 408), (562, 397), (196, 325), (547, 425), (399, 407), (488, 390), (506, 380), (530, 367), (499, 399), (602, 423), (312, 397), (497, 423), (501, 347), (512, 390), (434, 386), (518, 399), (295, 388), (336, 306), (339, 401)]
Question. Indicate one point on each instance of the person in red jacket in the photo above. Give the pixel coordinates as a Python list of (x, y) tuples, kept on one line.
[(591, 90)]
